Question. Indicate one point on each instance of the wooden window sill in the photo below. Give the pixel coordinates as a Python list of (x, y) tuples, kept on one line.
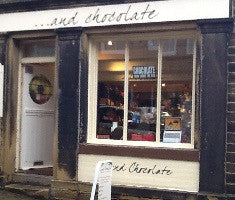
[(142, 152)]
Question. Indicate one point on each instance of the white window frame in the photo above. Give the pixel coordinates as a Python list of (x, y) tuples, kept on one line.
[(93, 89)]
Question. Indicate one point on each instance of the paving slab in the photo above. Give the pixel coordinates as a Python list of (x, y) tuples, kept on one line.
[(7, 195)]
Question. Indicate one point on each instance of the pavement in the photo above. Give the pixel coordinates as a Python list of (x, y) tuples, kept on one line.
[(7, 195)]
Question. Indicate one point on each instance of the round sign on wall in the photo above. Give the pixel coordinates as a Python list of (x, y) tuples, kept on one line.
[(40, 89)]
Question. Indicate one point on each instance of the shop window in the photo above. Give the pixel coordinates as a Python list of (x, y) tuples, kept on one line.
[(142, 92)]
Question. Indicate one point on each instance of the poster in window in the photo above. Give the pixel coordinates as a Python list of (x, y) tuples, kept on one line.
[(144, 72), (172, 123)]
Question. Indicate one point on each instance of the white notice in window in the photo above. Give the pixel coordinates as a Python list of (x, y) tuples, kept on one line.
[(172, 136)]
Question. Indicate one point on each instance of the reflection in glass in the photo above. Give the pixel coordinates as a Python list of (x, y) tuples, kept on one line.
[(111, 62), (39, 49), (176, 94), (142, 90)]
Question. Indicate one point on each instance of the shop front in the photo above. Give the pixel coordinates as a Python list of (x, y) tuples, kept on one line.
[(141, 84)]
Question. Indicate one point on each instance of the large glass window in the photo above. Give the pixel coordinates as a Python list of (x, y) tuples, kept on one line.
[(142, 91), (111, 72)]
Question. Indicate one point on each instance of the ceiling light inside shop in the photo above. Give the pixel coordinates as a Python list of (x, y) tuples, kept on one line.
[(163, 84), (110, 43), (116, 66)]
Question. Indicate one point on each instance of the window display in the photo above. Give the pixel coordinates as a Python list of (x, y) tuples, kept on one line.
[(145, 90)]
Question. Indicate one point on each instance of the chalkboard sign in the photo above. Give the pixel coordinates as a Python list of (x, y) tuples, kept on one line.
[(144, 72)]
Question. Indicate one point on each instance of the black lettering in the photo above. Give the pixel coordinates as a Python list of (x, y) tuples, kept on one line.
[(63, 21), (54, 22), (126, 19), (157, 172), (152, 170), (119, 17), (115, 167), (135, 16), (123, 167), (148, 12), (88, 19), (166, 171), (96, 16), (112, 17), (132, 167), (73, 19), (151, 14), (125, 13), (118, 168), (144, 170), (104, 17), (135, 168)]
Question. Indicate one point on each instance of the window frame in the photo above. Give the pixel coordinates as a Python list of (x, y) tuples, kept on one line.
[(93, 86)]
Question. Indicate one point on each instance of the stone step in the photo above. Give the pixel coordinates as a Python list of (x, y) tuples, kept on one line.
[(40, 192), (31, 179)]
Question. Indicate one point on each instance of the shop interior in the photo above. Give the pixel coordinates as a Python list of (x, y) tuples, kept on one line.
[(175, 95)]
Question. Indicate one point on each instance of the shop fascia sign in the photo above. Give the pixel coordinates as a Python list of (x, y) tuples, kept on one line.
[(105, 15)]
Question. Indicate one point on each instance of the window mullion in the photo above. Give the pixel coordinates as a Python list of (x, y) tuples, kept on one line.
[(193, 92), (126, 86), (93, 80), (158, 122)]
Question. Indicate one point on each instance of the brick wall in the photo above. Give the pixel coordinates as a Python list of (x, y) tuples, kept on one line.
[(230, 147)]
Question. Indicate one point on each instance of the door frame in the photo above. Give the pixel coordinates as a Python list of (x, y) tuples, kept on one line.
[(23, 61)]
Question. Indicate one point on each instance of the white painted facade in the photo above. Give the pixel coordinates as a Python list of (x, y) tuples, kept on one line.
[(155, 173)]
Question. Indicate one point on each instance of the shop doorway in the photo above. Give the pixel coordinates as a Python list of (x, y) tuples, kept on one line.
[(37, 117)]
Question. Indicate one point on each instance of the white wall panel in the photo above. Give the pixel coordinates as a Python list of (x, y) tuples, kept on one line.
[(155, 173)]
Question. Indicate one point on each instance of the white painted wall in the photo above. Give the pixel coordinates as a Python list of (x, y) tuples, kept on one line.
[(160, 174)]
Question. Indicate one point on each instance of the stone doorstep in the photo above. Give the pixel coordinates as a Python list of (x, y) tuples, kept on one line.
[(41, 192), (31, 179)]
